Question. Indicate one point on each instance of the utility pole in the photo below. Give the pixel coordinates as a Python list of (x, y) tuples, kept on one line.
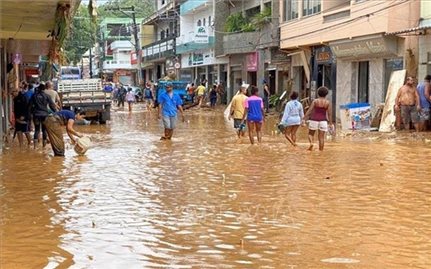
[(135, 35), (91, 64)]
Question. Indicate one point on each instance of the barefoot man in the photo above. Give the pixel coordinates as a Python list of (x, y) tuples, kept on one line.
[(408, 102)]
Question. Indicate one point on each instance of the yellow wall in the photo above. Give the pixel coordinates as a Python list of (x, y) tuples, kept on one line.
[(147, 35), (426, 9)]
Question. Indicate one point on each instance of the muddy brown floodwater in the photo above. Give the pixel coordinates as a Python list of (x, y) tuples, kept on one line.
[(205, 201)]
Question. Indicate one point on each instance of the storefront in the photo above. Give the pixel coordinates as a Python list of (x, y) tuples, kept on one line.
[(202, 65), (277, 70), (364, 66), (323, 73)]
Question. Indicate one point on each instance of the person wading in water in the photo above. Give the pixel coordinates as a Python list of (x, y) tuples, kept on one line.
[(320, 112)]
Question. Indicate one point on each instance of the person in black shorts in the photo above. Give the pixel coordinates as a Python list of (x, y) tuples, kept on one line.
[(22, 116)]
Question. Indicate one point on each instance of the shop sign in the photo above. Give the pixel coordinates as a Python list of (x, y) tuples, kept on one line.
[(133, 58), (379, 46), (201, 35), (252, 61), (278, 56), (30, 72), (123, 73), (196, 59), (323, 55)]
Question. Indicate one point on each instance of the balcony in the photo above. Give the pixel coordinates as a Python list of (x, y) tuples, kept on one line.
[(117, 65), (192, 46), (250, 41), (159, 50), (121, 45), (192, 5), (160, 13)]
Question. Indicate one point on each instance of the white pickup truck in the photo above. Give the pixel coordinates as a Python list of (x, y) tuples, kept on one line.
[(88, 95)]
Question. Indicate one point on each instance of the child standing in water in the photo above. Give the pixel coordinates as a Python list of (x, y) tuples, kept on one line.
[(292, 118), (255, 114), (320, 112), (130, 98)]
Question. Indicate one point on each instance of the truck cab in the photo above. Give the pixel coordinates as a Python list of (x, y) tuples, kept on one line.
[(70, 72)]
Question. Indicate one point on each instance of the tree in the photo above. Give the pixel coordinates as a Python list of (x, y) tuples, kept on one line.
[(81, 37), (85, 29)]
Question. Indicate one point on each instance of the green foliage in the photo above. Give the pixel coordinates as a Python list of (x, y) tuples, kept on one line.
[(262, 19), (81, 36), (274, 99), (237, 23)]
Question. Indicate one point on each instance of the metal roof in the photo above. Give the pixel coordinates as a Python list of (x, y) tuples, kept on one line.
[(410, 30)]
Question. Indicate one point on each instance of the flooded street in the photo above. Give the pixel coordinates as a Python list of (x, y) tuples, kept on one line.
[(205, 201)]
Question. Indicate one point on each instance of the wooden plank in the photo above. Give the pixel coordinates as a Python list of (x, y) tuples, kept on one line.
[(388, 117)]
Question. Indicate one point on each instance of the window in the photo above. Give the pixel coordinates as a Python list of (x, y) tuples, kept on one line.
[(290, 10), (310, 7), (167, 33), (162, 34), (209, 21), (199, 23), (204, 22), (363, 75)]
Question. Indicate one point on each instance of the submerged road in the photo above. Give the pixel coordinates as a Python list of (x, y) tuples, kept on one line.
[(205, 200)]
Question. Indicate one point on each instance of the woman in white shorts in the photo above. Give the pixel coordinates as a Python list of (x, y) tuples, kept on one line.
[(292, 118), (319, 113)]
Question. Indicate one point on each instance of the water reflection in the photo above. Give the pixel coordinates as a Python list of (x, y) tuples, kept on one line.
[(205, 200)]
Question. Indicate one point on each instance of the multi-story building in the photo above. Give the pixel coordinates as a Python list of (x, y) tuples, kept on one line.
[(347, 45), (247, 33), (196, 42), (118, 50), (160, 31)]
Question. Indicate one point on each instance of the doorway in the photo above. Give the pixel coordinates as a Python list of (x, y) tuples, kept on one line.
[(252, 78), (271, 78), (363, 85)]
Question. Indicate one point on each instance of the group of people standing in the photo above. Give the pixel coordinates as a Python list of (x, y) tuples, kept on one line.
[(122, 94), (198, 95), (251, 110), (413, 104), (38, 107)]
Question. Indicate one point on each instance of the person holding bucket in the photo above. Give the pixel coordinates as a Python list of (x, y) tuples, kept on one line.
[(53, 125)]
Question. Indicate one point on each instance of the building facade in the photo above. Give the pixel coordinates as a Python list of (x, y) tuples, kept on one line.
[(345, 45), (252, 46), (118, 51), (160, 31), (196, 42)]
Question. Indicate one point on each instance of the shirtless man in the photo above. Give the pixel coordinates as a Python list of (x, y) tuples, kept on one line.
[(408, 101)]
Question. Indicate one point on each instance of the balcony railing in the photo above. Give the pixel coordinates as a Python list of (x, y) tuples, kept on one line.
[(159, 49), (192, 46), (117, 65)]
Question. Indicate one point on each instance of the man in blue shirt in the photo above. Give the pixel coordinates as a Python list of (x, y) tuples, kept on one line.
[(169, 103), (53, 125)]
